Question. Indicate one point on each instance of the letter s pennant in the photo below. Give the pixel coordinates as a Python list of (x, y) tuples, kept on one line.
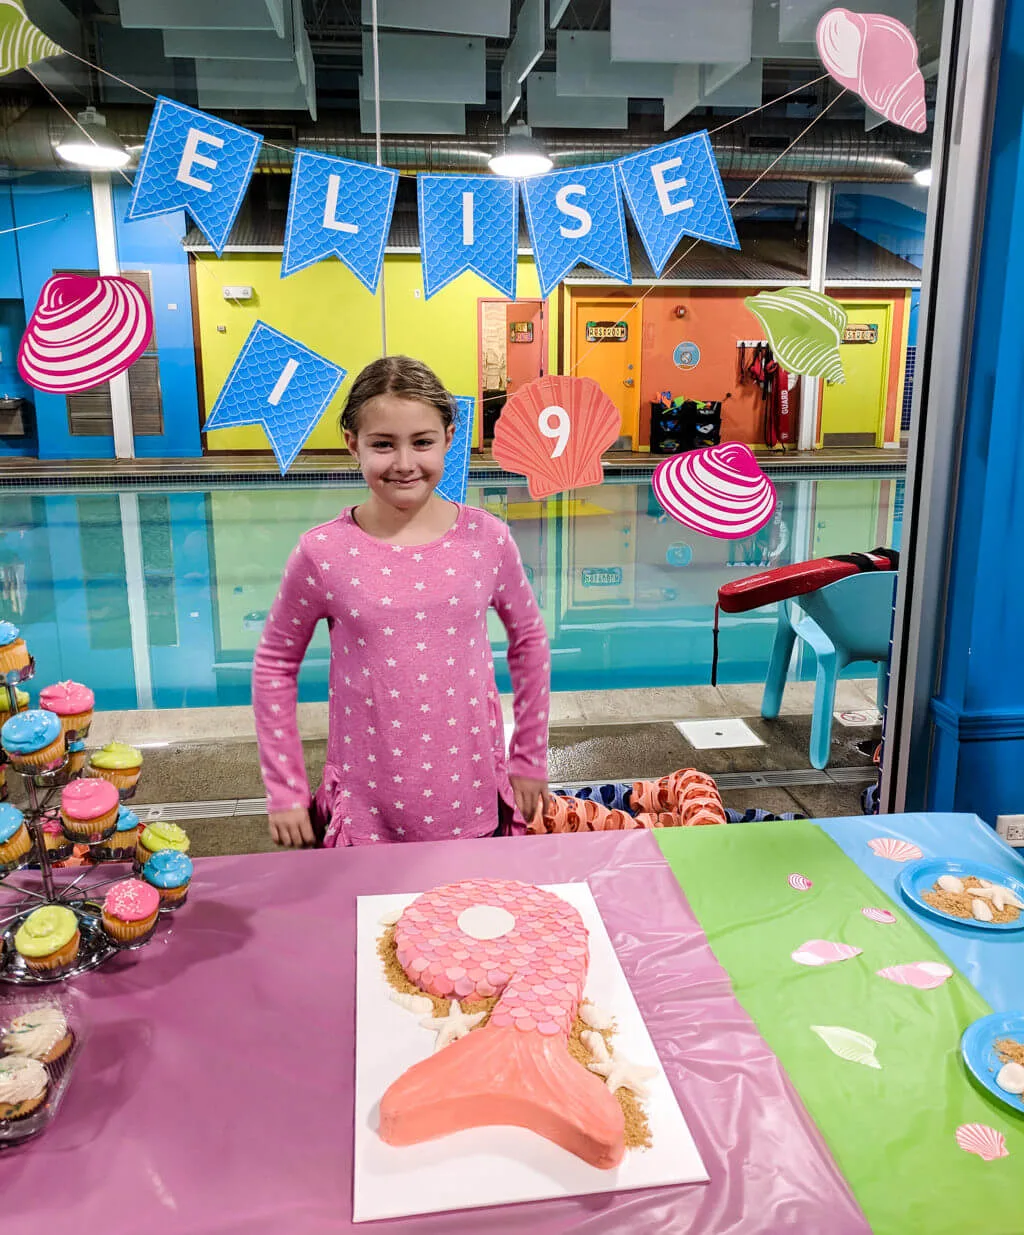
[(675, 190), (194, 161)]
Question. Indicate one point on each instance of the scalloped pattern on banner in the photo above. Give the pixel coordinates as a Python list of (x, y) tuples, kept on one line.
[(455, 478), (481, 235)]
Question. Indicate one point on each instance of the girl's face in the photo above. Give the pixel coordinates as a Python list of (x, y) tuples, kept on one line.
[(400, 446)]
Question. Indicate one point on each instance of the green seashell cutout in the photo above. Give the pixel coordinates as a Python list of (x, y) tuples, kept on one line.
[(21, 43), (804, 329), (848, 1044)]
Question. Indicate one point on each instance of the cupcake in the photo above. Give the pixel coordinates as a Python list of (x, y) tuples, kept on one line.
[(170, 872), (33, 740), (120, 847), (158, 837), (58, 847), (48, 939), (3, 778), (72, 702), (5, 703), (89, 810), (118, 763), (15, 838), (76, 756), (23, 1084), (41, 1034), (13, 652), (130, 910)]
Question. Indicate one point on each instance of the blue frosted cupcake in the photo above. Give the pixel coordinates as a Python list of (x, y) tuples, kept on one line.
[(170, 872), (13, 652), (121, 846), (15, 838), (33, 740)]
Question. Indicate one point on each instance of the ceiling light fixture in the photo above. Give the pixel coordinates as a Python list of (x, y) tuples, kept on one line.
[(520, 155), (89, 143), (923, 177)]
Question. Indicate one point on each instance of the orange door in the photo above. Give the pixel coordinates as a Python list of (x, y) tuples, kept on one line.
[(606, 339), (525, 343)]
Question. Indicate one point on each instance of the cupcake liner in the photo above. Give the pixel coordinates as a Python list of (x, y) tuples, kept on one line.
[(28, 1107), (63, 958), (90, 831), (14, 656), (14, 851), (108, 852), (76, 761), (124, 933), (120, 778), (173, 898), (38, 760)]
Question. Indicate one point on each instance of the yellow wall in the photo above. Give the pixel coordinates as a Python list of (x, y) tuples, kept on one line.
[(328, 309)]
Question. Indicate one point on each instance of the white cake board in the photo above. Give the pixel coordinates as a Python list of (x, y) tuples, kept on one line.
[(499, 1165)]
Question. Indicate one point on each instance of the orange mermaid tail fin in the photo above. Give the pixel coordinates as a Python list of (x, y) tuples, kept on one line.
[(503, 1075)]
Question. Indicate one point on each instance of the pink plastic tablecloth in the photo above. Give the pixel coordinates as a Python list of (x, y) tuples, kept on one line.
[(215, 1094)]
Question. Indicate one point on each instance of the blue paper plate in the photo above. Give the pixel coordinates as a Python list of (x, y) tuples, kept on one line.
[(918, 877), (978, 1049)]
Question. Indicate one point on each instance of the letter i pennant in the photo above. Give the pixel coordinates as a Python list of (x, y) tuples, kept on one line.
[(468, 223), (279, 384), (675, 190)]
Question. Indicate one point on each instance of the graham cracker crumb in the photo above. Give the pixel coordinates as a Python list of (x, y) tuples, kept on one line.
[(637, 1128), (958, 904), (1010, 1051)]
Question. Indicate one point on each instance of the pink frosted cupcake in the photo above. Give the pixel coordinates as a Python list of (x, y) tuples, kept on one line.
[(89, 809), (72, 702), (130, 910)]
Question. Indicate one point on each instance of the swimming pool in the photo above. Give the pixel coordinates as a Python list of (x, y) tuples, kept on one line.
[(156, 597)]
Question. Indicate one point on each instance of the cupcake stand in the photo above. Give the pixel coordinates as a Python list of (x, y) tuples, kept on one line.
[(23, 890)]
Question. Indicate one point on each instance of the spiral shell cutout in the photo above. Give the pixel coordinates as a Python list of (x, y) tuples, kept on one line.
[(84, 331), (720, 491), (876, 57)]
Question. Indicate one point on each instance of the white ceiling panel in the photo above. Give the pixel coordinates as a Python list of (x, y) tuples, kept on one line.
[(528, 45), (765, 42), (227, 45), (684, 95), (557, 11), (798, 19), (681, 31), (740, 88), (487, 18), (203, 15), (404, 117), (584, 67), (511, 92), (426, 68), (546, 109)]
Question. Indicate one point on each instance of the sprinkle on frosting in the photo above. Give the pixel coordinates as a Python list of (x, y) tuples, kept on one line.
[(8, 633), (11, 820), (46, 930), (88, 799), (126, 819), (117, 756), (168, 869), (67, 698), (164, 836), (35, 1033), (131, 900), (27, 732), (21, 1080)]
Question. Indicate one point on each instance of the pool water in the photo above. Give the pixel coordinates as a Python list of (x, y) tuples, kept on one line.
[(156, 598)]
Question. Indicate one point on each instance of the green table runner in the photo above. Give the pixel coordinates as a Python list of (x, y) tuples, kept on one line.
[(891, 1128)]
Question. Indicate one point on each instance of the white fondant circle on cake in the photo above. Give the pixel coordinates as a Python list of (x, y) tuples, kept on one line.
[(486, 922)]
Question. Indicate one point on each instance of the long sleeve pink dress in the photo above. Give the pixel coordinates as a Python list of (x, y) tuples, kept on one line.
[(416, 747)]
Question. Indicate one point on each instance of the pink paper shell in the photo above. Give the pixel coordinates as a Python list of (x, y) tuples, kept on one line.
[(876, 57), (799, 883), (921, 975), (982, 1140), (895, 850), (885, 916), (83, 331), (720, 491), (817, 952)]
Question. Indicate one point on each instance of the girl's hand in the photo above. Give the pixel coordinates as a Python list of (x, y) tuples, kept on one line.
[(529, 794), (291, 828)]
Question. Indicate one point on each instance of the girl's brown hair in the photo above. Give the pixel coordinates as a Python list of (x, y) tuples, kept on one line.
[(401, 376)]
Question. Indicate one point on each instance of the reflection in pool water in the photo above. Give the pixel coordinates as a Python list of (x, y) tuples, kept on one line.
[(157, 598)]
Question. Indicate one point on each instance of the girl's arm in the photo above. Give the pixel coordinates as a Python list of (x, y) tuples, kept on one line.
[(529, 664), (289, 627)]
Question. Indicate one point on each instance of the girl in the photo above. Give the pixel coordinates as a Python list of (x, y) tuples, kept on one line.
[(416, 742)]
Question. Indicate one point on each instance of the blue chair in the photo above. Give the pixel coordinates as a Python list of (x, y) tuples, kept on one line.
[(844, 622)]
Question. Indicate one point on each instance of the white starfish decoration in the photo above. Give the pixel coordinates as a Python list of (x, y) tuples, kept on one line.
[(621, 1073), (453, 1026), (596, 1045)]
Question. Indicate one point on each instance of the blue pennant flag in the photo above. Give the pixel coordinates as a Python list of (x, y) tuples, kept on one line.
[(341, 207), (279, 384), (576, 216), (675, 190), (468, 223), (194, 161), (455, 479)]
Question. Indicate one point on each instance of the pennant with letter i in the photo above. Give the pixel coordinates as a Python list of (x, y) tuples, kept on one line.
[(675, 190), (194, 161), (468, 223), (576, 216), (455, 478), (338, 207), (279, 384)]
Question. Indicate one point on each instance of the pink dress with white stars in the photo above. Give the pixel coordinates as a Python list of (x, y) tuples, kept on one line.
[(416, 746)]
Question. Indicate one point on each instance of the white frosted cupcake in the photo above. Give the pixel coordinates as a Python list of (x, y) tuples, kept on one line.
[(41, 1033), (23, 1085)]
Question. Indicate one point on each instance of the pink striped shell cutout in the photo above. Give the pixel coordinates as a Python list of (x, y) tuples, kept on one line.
[(485, 937)]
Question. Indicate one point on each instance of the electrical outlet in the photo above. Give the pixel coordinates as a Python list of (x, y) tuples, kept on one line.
[(1011, 829)]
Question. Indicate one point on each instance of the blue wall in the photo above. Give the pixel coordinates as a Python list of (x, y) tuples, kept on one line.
[(895, 225)]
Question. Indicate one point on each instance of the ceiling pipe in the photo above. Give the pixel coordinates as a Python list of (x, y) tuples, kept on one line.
[(840, 151)]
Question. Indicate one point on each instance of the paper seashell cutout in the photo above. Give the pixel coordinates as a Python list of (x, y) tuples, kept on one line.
[(885, 916), (823, 952), (982, 1140), (21, 42), (420, 1004), (895, 850), (804, 328), (921, 975), (83, 331), (553, 431), (849, 1044), (799, 883), (720, 491), (875, 56)]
